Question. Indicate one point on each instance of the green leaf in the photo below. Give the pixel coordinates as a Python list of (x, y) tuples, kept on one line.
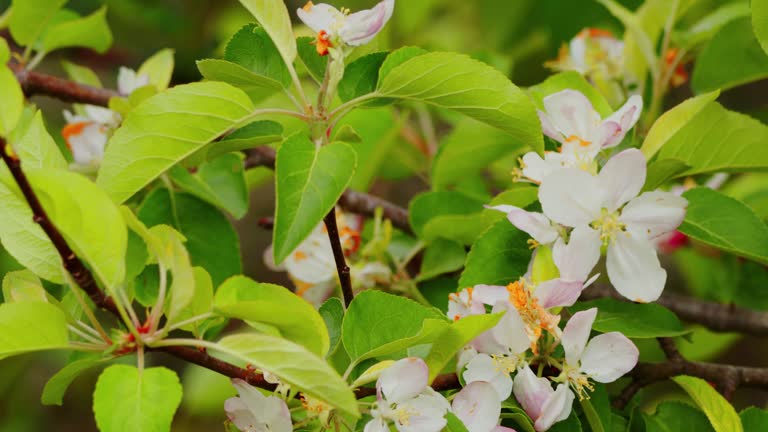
[(430, 205), (571, 424), (500, 256), (31, 17), (754, 419), (720, 413), (273, 17), (594, 421), (398, 57), (719, 66), (242, 298), (23, 285), (659, 171), (89, 32), (700, 143), (361, 76), (309, 181), (252, 135), (168, 247), (672, 121), (634, 320), (760, 22), (454, 423), (469, 148), (314, 63), (164, 130), (294, 365), (34, 145), (464, 229), (252, 49), (92, 227), (375, 319), (126, 399), (56, 387), (676, 417), (220, 181), (13, 98), (257, 87), (725, 223), (159, 68), (574, 81), (710, 24), (451, 341), (441, 256), (457, 82), (332, 312), (211, 239), (31, 326), (81, 74)]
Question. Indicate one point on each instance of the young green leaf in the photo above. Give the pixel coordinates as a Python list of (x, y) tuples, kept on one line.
[(398, 57), (90, 32), (634, 320), (500, 256), (314, 63), (361, 76), (81, 74), (720, 413), (164, 130), (760, 22), (257, 87), (441, 256), (754, 419), (332, 312), (34, 145), (661, 170), (220, 181), (725, 223), (454, 424), (273, 17), (309, 182), (13, 98), (710, 24), (457, 82), (56, 387), (23, 285), (451, 341), (31, 17), (294, 365), (127, 399), (242, 298), (252, 49), (159, 68), (676, 416), (430, 205), (252, 135), (31, 326)]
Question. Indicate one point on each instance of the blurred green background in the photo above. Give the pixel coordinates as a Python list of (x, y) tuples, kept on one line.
[(516, 36)]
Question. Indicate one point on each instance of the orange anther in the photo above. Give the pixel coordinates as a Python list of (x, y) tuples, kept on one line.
[(322, 43), (308, 7)]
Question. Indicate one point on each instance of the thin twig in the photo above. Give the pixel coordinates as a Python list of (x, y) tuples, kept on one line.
[(338, 255)]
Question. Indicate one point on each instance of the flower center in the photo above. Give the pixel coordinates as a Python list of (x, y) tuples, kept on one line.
[(535, 317), (609, 226), (507, 364), (579, 381), (402, 415), (323, 42)]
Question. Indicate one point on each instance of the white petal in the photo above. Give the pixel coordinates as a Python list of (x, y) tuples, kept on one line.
[(535, 224), (622, 178), (319, 17), (405, 379), (253, 399), (531, 391), (556, 408), (577, 259), (572, 113), (360, 27), (634, 268), (317, 293), (625, 117), (608, 357), (428, 413), (558, 292), (484, 368), (576, 333), (269, 260), (101, 115), (490, 294), (577, 50), (128, 81), (376, 425), (239, 414), (88, 146), (571, 197), (654, 213), (510, 331), (477, 405), (548, 128), (536, 168), (717, 180)]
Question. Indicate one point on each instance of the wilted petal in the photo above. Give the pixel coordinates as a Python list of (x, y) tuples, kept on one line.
[(571, 197), (625, 118), (556, 408), (319, 17), (654, 213), (477, 405), (622, 178), (531, 391), (572, 114), (360, 27), (634, 268), (376, 425), (577, 259), (608, 357), (405, 379), (576, 333), (484, 368), (558, 292)]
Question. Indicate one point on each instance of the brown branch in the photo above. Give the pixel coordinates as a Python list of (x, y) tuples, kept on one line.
[(35, 83), (714, 316), (338, 255)]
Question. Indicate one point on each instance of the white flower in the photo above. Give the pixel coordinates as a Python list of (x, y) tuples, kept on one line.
[(403, 396), (254, 412), (478, 407), (128, 81), (465, 303), (367, 275), (607, 211), (604, 359), (538, 226), (571, 120), (338, 27), (593, 52), (86, 135), (543, 405)]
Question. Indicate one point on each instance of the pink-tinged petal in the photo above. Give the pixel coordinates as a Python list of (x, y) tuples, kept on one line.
[(556, 408), (548, 127), (571, 197), (634, 268), (252, 397), (376, 425), (489, 294), (502, 429), (486, 343), (510, 331), (465, 356), (572, 114), (654, 213), (427, 413), (484, 368), (477, 405), (622, 178), (405, 379), (535, 224), (558, 293), (625, 118), (576, 333), (576, 260), (319, 17), (532, 391), (608, 357), (239, 414), (360, 27)]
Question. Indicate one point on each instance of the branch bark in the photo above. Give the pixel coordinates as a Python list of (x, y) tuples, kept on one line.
[(35, 83), (338, 255)]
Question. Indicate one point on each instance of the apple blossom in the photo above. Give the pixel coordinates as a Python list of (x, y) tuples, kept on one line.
[(128, 81), (571, 120), (336, 28), (403, 396), (605, 358), (592, 52), (254, 412), (608, 211), (478, 407), (543, 405)]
